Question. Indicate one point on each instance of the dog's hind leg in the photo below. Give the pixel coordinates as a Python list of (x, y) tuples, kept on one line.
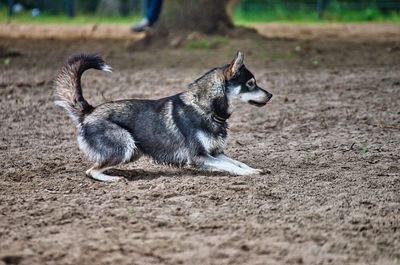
[(106, 144), (96, 172)]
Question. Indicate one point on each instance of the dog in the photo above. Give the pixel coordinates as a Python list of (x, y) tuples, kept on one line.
[(186, 129)]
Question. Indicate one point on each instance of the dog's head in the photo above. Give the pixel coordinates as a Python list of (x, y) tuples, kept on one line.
[(241, 83), (212, 91)]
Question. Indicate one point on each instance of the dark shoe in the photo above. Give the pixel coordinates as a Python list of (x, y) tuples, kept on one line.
[(143, 25)]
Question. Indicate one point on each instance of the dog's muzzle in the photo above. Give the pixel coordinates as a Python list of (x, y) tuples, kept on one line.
[(263, 103)]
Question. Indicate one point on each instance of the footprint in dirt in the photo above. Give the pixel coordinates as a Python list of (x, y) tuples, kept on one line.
[(7, 53), (12, 259)]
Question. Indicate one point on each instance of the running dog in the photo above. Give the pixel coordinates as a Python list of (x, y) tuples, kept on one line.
[(186, 129)]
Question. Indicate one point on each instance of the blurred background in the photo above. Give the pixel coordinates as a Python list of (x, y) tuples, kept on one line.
[(245, 11)]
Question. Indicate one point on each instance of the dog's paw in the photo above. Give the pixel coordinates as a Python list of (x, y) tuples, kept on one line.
[(249, 171), (258, 171), (113, 179), (255, 171), (103, 178)]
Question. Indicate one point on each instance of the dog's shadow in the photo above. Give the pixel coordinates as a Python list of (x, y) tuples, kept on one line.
[(140, 174)]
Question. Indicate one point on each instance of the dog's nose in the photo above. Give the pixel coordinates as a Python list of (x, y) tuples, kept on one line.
[(269, 96)]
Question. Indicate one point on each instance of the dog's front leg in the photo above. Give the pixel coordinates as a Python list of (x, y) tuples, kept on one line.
[(223, 157), (210, 162)]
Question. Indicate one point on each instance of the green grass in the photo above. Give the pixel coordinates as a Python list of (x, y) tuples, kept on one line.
[(206, 43), (7, 61), (44, 18), (279, 14), (275, 14)]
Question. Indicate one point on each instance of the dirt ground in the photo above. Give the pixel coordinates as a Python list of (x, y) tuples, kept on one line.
[(329, 144), (348, 31)]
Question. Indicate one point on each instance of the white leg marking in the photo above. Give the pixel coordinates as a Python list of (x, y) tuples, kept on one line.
[(238, 163), (210, 143), (220, 165), (130, 147), (98, 175)]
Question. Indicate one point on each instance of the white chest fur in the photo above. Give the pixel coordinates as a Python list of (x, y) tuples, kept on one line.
[(209, 142)]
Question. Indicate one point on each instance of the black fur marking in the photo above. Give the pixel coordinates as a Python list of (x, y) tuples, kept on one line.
[(240, 79), (219, 107)]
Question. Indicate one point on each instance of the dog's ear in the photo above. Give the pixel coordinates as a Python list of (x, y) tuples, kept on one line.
[(234, 66)]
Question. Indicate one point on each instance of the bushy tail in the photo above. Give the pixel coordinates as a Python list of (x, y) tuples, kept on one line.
[(68, 90)]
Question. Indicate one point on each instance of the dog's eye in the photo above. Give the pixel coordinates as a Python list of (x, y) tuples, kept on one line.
[(251, 83)]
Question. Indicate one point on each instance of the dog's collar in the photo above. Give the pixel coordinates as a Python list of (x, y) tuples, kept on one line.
[(218, 119)]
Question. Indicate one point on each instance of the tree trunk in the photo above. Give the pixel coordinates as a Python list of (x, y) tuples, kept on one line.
[(185, 16), (179, 19)]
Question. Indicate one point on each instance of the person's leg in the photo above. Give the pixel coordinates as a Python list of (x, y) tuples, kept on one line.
[(153, 10)]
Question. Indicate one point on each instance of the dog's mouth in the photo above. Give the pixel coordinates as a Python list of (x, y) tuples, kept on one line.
[(260, 104)]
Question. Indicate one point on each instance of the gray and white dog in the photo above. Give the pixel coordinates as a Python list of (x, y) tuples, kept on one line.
[(186, 129)]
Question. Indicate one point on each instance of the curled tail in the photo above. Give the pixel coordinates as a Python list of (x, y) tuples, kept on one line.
[(68, 90)]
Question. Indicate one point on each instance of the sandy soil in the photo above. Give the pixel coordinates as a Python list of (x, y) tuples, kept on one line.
[(330, 142), (349, 31), (92, 31)]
